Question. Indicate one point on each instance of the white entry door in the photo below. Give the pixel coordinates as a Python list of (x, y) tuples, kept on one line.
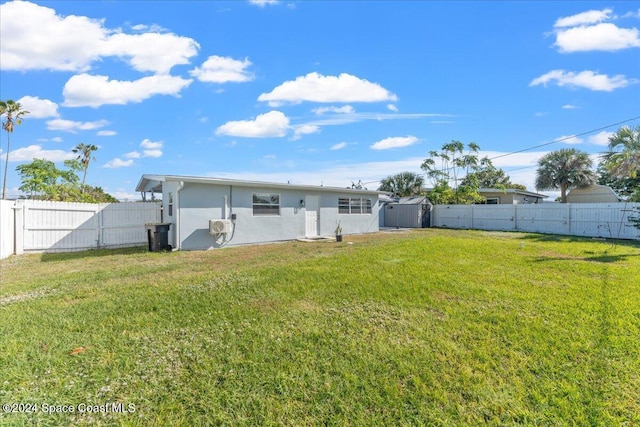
[(312, 216)]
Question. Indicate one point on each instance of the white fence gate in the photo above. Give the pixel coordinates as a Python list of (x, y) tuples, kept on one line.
[(39, 226), (608, 220)]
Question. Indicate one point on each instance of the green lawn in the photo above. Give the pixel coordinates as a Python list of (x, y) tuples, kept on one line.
[(430, 327)]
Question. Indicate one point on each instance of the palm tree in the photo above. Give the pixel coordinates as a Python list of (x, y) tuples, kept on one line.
[(12, 112), (403, 184), (623, 158), (84, 155), (564, 169)]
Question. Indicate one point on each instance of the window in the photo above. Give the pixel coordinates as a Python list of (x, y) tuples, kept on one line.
[(343, 205), (265, 204), (354, 205), (492, 201), (170, 213), (366, 206)]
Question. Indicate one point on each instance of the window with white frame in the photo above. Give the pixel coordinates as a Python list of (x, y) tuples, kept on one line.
[(354, 205), (266, 204)]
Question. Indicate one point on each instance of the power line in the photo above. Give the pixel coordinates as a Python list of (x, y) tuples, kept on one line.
[(555, 141)]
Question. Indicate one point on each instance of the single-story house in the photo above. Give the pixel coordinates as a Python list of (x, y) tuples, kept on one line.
[(593, 194), (510, 196), (206, 213)]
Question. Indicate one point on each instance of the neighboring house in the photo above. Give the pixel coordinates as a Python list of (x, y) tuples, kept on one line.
[(207, 213), (407, 212), (593, 194), (510, 196)]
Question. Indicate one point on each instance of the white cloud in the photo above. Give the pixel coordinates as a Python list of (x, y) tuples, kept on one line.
[(35, 37), (298, 131), (218, 69), (118, 163), (345, 109), (570, 139), (263, 3), (132, 155), (602, 37), (151, 149), (588, 17), (38, 108), (601, 138), (27, 154), (152, 153), (341, 119), (392, 107), (394, 142), (338, 146), (85, 90), (150, 145), (153, 52), (74, 127), (106, 133), (315, 87), (271, 124), (584, 79), (570, 107), (632, 14)]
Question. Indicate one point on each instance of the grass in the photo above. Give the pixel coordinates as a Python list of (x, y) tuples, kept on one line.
[(431, 327)]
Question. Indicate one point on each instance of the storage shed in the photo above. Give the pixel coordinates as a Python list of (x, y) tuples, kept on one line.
[(207, 213), (593, 194), (408, 212)]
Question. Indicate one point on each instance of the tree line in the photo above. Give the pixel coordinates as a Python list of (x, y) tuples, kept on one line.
[(456, 173), (41, 179)]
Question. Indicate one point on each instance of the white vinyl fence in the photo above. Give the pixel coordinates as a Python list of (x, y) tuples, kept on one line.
[(6, 228), (606, 220), (37, 226)]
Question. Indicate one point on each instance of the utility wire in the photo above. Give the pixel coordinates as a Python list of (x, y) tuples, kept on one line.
[(555, 141)]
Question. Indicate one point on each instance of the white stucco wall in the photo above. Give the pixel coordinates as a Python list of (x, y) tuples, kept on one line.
[(201, 202)]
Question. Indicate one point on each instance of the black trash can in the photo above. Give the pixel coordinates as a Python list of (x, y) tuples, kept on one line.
[(158, 236)]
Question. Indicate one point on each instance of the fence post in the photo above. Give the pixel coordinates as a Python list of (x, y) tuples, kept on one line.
[(18, 229)]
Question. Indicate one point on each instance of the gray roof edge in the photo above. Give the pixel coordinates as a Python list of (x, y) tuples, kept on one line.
[(246, 183), (511, 190)]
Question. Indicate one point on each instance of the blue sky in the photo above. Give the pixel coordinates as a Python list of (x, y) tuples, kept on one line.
[(312, 92)]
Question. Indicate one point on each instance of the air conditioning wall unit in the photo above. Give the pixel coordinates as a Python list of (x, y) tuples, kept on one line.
[(219, 226)]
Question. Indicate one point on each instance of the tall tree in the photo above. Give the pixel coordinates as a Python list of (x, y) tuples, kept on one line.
[(564, 169), (489, 176), (403, 184), (12, 112), (38, 177), (624, 186), (447, 167), (623, 158), (84, 152)]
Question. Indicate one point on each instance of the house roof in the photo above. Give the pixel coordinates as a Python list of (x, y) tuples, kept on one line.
[(415, 200), (512, 191), (595, 190), (153, 183)]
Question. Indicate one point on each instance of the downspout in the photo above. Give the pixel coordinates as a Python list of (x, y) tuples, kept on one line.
[(177, 207)]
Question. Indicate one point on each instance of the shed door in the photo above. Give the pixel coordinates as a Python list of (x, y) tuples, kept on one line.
[(312, 216)]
